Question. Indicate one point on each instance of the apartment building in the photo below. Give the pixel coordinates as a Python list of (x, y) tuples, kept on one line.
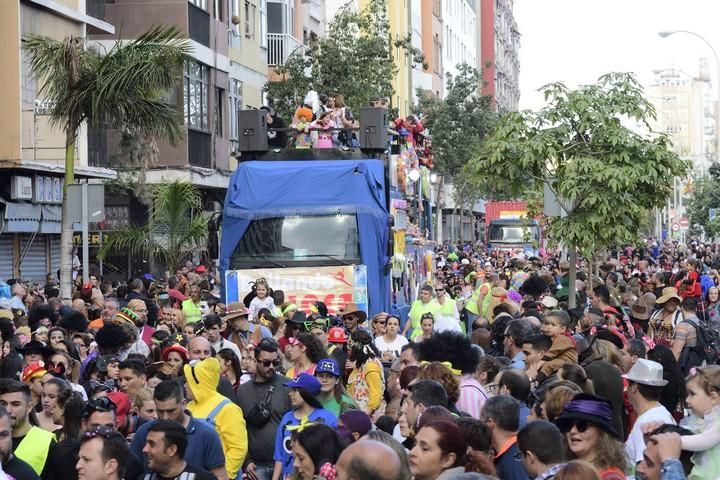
[(32, 152), (500, 44)]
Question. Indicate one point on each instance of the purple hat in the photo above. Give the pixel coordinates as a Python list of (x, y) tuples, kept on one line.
[(328, 365), (356, 421), (590, 408), (305, 382)]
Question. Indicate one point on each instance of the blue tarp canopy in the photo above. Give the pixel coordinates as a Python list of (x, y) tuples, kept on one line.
[(268, 189)]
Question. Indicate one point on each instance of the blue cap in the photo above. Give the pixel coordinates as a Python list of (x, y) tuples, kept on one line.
[(306, 382), (328, 365), (149, 276)]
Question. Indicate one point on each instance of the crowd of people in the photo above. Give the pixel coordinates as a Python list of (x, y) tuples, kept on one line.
[(490, 375)]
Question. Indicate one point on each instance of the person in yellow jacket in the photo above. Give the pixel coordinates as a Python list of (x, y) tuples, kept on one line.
[(201, 381), (426, 304), (31, 444), (191, 306)]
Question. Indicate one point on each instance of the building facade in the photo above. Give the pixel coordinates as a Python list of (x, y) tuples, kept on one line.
[(432, 44), (499, 48), (32, 152), (684, 106), (229, 44), (461, 32)]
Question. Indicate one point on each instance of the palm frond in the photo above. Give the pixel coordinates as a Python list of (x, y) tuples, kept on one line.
[(151, 116), (136, 239)]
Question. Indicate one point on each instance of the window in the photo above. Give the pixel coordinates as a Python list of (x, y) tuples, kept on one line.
[(199, 3), (218, 111), (234, 30), (263, 23), (217, 10), (436, 8), (234, 105), (250, 12), (196, 96), (302, 238)]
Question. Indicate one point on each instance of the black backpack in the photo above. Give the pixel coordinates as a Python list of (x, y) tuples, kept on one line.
[(705, 347)]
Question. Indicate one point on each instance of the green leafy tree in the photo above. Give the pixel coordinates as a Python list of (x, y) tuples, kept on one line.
[(355, 60), (458, 125), (607, 175), (124, 88), (706, 195), (176, 228)]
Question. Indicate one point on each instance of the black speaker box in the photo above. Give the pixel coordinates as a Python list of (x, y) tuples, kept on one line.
[(373, 134), (252, 126)]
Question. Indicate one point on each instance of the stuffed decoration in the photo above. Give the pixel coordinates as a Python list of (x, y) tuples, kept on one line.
[(303, 117)]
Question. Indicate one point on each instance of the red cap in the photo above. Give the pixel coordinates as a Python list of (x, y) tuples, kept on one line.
[(33, 370), (122, 402), (200, 269), (337, 335), (182, 351)]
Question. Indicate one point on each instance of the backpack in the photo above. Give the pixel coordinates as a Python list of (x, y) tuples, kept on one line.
[(706, 347)]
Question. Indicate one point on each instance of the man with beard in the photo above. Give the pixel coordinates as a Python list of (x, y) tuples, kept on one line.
[(31, 444), (265, 392), (10, 463), (145, 331)]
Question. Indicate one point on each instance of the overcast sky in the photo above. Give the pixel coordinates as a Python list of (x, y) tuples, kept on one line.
[(576, 41)]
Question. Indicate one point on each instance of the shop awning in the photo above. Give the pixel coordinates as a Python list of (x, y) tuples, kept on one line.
[(21, 217), (51, 219)]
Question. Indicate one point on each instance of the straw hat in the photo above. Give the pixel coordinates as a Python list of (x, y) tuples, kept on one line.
[(668, 293)]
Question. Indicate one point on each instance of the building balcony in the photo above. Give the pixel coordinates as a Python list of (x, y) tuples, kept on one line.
[(280, 46)]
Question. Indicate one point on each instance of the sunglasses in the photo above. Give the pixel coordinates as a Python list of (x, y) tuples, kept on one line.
[(580, 426), (267, 363), (439, 289), (380, 322)]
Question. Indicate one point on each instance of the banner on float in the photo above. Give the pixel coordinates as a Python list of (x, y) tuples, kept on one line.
[(334, 286)]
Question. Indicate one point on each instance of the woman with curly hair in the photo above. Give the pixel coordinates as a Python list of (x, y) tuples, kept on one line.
[(441, 373), (591, 437), (304, 351), (366, 383)]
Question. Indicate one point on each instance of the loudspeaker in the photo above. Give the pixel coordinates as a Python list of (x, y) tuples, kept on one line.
[(252, 131), (373, 134)]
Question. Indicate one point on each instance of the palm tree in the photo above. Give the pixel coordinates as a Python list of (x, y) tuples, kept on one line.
[(124, 88), (176, 227)]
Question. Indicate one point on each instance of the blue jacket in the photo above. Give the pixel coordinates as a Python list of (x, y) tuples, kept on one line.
[(204, 449)]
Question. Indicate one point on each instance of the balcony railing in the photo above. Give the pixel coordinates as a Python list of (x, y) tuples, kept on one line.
[(281, 46)]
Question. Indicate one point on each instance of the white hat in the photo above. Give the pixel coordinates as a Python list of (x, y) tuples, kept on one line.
[(549, 302), (465, 261), (646, 372)]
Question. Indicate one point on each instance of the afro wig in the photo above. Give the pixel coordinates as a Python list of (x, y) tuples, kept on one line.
[(451, 347), (112, 338), (38, 312), (73, 321), (535, 286)]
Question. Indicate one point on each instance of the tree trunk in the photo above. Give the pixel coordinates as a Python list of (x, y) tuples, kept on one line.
[(572, 275), (66, 232)]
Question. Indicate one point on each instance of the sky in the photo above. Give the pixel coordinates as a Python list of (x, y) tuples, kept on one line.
[(576, 41)]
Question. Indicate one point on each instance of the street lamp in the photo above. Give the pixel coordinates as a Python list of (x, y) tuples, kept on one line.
[(666, 34)]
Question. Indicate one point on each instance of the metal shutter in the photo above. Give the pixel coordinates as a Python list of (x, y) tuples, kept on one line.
[(54, 254), (34, 265), (6, 257)]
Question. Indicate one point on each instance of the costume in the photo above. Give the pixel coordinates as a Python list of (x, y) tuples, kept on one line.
[(226, 417), (303, 117), (706, 445), (283, 436)]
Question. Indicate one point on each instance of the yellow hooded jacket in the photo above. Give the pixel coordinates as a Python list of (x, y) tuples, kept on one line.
[(203, 378)]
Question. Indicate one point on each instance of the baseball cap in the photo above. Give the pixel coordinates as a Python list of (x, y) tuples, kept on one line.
[(328, 365), (337, 335), (305, 382)]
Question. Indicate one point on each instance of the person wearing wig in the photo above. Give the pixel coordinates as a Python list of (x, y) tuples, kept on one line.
[(456, 350)]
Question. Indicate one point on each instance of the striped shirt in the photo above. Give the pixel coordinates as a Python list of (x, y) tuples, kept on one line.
[(472, 396)]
